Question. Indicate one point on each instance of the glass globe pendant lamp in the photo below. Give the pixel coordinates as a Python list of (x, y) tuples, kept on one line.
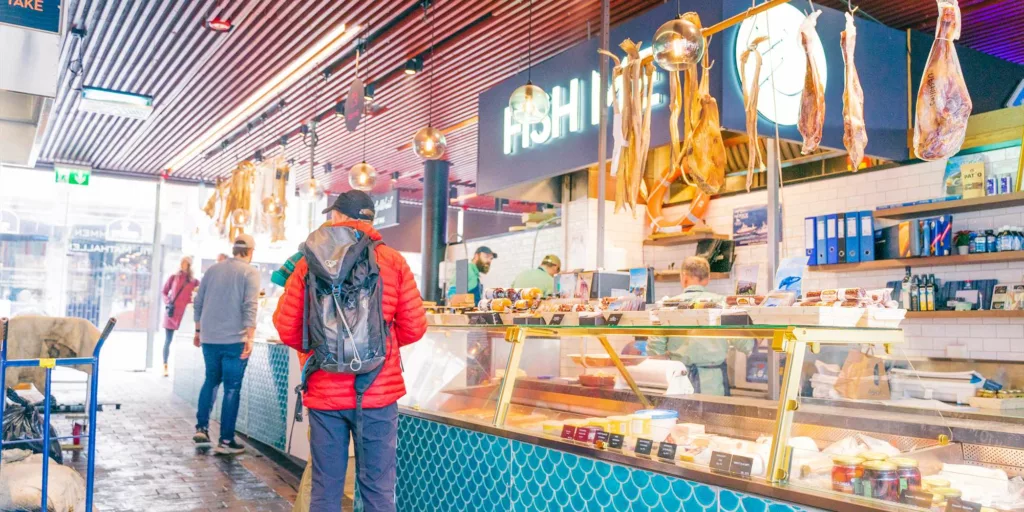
[(678, 44), (362, 176), (429, 143), (529, 104), (311, 190), (240, 217)]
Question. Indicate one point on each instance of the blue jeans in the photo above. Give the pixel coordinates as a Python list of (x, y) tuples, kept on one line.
[(223, 365), (330, 432)]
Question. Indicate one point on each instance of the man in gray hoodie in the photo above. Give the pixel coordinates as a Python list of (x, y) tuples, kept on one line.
[(225, 314)]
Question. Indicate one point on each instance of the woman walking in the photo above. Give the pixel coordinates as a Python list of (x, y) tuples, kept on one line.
[(177, 295)]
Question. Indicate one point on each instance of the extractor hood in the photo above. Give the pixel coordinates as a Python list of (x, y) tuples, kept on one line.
[(28, 83)]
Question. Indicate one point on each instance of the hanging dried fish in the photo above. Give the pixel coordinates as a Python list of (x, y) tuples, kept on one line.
[(812, 102), (751, 88), (703, 156)]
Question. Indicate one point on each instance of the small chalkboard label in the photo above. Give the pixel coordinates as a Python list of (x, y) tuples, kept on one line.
[(667, 451), (916, 498), (519, 320), (496, 319), (959, 505), (479, 319), (568, 432), (615, 441), (614, 318), (601, 438), (534, 320), (741, 466), (583, 434), (556, 319), (721, 462), (644, 446)]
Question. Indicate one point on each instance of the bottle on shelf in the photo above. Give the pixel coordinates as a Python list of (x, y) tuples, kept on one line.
[(929, 291), (915, 297), (978, 243), (990, 241), (905, 291)]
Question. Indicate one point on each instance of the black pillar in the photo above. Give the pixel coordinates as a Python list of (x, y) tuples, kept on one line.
[(435, 226)]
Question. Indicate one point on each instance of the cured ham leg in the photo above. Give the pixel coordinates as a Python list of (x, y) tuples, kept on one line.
[(703, 155), (751, 87), (943, 103), (855, 133), (812, 102)]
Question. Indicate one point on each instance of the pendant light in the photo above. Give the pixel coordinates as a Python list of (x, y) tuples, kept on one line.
[(362, 176), (429, 143), (678, 43), (529, 103)]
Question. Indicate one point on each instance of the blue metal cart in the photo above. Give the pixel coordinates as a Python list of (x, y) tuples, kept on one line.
[(92, 401)]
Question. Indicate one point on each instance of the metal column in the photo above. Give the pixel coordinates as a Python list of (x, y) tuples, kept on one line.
[(774, 237), (435, 226), (602, 141), (156, 265)]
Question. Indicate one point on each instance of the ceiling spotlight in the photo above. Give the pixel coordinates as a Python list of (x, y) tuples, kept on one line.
[(328, 168), (413, 66), (304, 129), (368, 91), (283, 141), (258, 156), (218, 24), (394, 177), (453, 192), (339, 109)]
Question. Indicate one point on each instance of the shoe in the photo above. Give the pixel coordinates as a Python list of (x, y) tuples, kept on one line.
[(202, 436), (229, 448), (166, 373)]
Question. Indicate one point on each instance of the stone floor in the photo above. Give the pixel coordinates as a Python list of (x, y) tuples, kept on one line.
[(146, 460)]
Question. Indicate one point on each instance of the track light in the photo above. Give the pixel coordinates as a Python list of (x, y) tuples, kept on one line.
[(394, 177), (368, 92), (218, 24), (258, 156), (413, 66), (283, 141), (339, 109), (328, 168)]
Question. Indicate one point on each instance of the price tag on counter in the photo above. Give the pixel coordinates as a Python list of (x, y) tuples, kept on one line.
[(916, 498), (721, 462), (741, 466), (667, 452), (584, 435), (614, 318), (557, 318), (959, 505), (568, 432), (615, 441), (601, 439), (644, 446)]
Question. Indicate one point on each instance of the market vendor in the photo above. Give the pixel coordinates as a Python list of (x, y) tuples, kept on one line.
[(542, 277), (481, 264), (705, 358)]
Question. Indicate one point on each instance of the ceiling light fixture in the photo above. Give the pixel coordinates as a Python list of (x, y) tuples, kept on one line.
[(301, 66), (115, 103), (413, 66), (429, 143), (218, 24), (529, 103)]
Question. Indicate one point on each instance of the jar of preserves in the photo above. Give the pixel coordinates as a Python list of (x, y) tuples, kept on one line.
[(942, 497), (908, 472), (845, 469), (880, 480), (870, 456)]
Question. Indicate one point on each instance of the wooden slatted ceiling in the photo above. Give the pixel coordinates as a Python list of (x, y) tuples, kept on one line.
[(197, 76)]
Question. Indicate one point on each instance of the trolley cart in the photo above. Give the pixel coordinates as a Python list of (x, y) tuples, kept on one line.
[(92, 401)]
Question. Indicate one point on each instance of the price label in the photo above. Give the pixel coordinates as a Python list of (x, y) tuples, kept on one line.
[(667, 451), (479, 319), (959, 505), (644, 446), (496, 319), (741, 466), (615, 441), (583, 434), (568, 432), (601, 439), (916, 498), (721, 462), (557, 318), (614, 318)]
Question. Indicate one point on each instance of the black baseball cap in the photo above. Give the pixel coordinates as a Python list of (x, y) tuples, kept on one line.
[(354, 203), (486, 250)]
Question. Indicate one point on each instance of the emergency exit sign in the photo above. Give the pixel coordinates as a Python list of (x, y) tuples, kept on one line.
[(72, 175)]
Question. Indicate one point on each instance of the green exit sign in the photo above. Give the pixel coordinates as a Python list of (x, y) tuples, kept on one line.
[(72, 175)]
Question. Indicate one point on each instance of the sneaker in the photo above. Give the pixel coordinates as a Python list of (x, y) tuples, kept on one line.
[(166, 373), (202, 436), (229, 448)]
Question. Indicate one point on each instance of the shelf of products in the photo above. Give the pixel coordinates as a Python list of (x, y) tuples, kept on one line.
[(673, 275), (983, 313), (668, 239), (930, 261), (958, 206)]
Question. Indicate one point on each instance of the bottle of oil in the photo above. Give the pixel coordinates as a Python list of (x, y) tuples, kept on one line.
[(929, 291), (915, 297)]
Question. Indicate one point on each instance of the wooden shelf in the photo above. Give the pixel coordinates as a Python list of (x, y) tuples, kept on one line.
[(666, 239), (673, 275), (931, 261), (984, 313), (959, 206)]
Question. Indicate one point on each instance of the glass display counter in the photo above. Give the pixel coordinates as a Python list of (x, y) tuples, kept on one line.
[(572, 413)]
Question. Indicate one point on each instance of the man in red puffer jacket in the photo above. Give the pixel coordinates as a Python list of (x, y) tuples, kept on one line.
[(331, 397)]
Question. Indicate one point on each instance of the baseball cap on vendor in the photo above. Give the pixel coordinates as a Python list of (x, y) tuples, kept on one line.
[(244, 241), (356, 204)]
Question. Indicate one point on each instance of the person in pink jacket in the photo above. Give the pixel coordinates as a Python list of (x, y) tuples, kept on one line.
[(177, 296)]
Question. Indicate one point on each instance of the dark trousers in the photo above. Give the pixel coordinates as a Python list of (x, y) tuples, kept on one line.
[(167, 344), (223, 365), (377, 472)]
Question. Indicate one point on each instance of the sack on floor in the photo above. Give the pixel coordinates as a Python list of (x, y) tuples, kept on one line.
[(20, 486), (22, 421)]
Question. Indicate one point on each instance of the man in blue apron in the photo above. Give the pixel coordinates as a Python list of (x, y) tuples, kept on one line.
[(481, 264), (704, 357)]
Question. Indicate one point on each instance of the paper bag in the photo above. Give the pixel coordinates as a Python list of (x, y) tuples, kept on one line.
[(863, 377)]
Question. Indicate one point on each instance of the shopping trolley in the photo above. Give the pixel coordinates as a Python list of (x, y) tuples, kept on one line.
[(49, 365)]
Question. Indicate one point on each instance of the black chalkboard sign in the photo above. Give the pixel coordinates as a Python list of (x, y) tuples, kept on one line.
[(614, 318), (721, 462), (601, 439), (959, 505), (615, 441), (916, 498), (557, 318), (741, 466), (667, 451), (644, 446)]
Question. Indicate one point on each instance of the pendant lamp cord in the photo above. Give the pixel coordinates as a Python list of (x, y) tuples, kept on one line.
[(433, 64), (529, 45)]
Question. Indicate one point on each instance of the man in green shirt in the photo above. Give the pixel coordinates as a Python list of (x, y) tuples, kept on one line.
[(481, 264), (704, 357), (542, 277)]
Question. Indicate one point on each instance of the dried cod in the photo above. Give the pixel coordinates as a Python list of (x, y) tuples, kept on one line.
[(812, 102), (855, 133), (943, 102), (751, 89)]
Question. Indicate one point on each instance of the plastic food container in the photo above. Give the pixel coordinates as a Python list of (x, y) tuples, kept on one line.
[(552, 427), (640, 425), (845, 468), (662, 421), (601, 423), (619, 424)]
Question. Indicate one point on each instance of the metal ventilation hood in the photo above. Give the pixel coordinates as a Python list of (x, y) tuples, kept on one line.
[(28, 83)]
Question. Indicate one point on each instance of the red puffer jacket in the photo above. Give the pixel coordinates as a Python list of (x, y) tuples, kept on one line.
[(403, 306)]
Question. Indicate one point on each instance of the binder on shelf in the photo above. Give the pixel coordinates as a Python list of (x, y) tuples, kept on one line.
[(867, 236), (810, 239), (943, 235), (852, 237), (841, 237), (831, 239), (820, 244)]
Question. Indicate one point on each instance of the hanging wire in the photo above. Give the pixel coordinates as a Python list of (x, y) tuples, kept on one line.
[(529, 44), (433, 64)]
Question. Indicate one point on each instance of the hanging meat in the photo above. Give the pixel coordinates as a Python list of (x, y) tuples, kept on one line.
[(855, 133), (812, 102), (703, 155), (943, 103), (751, 87)]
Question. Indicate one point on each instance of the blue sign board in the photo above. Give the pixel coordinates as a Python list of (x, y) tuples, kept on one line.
[(35, 14), (567, 141)]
